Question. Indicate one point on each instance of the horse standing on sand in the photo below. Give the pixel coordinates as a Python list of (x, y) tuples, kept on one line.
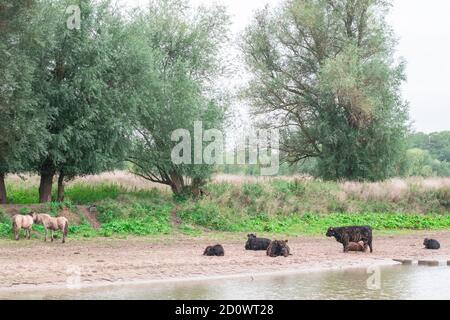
[(22, 222), (52, 224)]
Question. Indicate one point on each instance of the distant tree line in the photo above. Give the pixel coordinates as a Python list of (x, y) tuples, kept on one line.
[(428, 155)]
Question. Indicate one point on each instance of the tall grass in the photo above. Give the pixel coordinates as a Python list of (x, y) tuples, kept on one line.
[(278, 205)]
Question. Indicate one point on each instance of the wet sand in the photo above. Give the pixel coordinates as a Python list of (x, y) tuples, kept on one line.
[(35, 264)]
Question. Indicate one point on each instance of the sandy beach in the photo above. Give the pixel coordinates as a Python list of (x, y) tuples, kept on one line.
[(35, 264)]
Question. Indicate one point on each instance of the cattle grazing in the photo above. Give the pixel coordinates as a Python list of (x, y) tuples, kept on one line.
[(20, 222), (256, 244), (52, 224), (216, 250), (431, 244), (346, 235), (357, 247), (278, 248)]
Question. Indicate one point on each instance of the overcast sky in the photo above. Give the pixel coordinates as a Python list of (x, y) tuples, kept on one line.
[(423, 29)]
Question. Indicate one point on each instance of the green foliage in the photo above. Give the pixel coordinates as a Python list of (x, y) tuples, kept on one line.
[(252, 190), (78, 193), (420, 163), (22, 121), (79, 81), (151, 225), (437, 144), (178, 56), (55, 207), (24, 211), (429, 155), (20, 194), (314, 223), (84, 194), (208, 215), (284, 188), (3, 217), (5, 230), (109, 211), (279, 207), (135, 218), (308, 60)]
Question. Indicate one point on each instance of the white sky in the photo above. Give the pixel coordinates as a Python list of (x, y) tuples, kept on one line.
[(423, 29)]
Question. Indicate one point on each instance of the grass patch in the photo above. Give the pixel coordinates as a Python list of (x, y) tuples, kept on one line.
[(158, 223), (19, 194), (84, 194), (276, 206)]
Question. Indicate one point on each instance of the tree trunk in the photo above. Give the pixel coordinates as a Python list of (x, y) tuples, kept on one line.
[(177, 183), (2, 189), (196, 187), (45, 187), (60, 187)]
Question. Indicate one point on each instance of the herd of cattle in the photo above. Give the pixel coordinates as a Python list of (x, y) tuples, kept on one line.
[(352, 238)]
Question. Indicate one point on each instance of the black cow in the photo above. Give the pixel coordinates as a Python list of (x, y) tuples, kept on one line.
[(256, 244), (346, 235), (431, 244), (216, 250), (278, 248)]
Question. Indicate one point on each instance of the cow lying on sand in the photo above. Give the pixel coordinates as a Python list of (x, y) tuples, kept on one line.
[(431, 244), (278, 248), (52, 224), (346, 235), (256, 244), (20, 222), (216, 250)]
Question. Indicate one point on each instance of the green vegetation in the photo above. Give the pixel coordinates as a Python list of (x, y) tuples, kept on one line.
[(308, 60), (276, 207), (429, 155), (82, 101), (116, 89), (184, 48), (79, 194)]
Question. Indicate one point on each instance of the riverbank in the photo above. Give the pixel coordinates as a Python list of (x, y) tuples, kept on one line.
[(109, 206), (31, 265)]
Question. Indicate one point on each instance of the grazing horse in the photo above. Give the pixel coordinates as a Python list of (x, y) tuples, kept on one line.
[(52, 224), (22, 222)]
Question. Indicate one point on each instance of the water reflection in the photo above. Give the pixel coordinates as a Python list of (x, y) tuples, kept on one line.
[(398, 282)]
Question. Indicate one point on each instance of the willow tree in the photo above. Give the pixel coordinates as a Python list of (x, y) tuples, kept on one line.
[(81, 79), (179, 50), (323, 71), (21, 125)]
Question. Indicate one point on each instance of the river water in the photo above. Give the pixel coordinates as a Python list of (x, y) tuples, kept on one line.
[(395, 282)]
